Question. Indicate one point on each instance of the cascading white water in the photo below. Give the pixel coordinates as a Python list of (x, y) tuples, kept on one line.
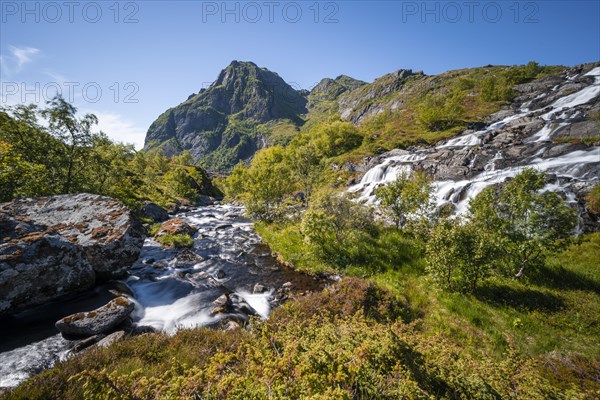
[(459, 192), (383, 173), (581, 97), (175, 289)]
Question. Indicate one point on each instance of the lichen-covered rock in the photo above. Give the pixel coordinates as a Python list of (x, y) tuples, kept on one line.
[(55, 246), (100, 320), (37, 270), (176, 226)]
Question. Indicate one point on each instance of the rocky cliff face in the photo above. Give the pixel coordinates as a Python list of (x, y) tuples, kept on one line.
[(553, 125), (56, 246), (220, 125)]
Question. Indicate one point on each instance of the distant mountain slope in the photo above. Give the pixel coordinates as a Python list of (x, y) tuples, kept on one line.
[(225, 123), (248, 108)]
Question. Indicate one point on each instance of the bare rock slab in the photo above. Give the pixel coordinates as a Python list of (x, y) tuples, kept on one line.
[(100, 320)]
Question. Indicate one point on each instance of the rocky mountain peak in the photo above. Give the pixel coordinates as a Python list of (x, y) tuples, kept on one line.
[(224, 117)]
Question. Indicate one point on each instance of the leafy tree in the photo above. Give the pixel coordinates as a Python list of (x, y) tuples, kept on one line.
[(338, 228), (110, 171), (528, 223), (459, 256), (17, 176), (184, 159), (407, 199), (19, 128), (335, 138), (235, 184), (268, 183), (306, 167), (68, 157), (76, 136)]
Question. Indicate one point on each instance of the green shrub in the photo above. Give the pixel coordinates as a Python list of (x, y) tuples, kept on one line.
[(526, 223), (593, 200), (335, 138), (408, 200), (171, 240), (460, 256), (153, 229), (338, 229), (440, 112), (267, 184)]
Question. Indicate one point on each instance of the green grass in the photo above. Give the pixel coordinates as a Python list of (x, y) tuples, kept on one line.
[(153, 229), (587, 140), (171, 240), (556, 310)]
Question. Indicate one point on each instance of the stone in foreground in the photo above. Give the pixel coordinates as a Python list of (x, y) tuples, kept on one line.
[(55, 246), (100, 320)]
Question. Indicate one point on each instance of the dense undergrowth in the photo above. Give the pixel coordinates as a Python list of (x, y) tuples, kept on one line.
[(353, 340)]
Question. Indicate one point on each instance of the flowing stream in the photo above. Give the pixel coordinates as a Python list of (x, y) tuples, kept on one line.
[(576, 166), (172, 289)]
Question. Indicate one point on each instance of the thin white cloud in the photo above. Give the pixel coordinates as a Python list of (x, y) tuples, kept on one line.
[(119, 128), (23, 55), (14, 62)]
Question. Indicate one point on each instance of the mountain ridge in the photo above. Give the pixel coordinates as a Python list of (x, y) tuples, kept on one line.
[(248, 108)]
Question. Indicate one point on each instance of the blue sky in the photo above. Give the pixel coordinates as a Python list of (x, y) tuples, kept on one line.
[(147, 56)]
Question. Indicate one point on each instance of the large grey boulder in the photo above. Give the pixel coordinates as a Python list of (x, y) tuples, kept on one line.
[(100, 320), (61, 245)]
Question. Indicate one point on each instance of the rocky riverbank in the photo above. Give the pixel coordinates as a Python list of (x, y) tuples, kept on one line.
[(224, 279)]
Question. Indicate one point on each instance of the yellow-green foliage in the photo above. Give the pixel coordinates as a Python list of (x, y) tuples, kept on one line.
[(280, 132), (352, 341), (441, 112), (153, 229), (338, 229), (335, 138), (17, 176), (275, 173)]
